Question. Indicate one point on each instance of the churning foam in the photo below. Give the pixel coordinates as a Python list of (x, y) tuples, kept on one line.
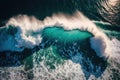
[(27, 25)]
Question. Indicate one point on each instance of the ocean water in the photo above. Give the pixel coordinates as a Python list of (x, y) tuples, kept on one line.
[(76, 46)]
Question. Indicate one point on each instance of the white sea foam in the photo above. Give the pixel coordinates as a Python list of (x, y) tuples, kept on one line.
[(27, 25), (69, 70)]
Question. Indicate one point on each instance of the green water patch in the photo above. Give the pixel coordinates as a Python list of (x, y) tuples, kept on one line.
[(48, 55), (61, 35)]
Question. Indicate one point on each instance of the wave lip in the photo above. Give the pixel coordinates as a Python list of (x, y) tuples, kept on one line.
[(29, 31)]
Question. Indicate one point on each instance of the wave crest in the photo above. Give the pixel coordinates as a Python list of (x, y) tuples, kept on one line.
[(30, 28)]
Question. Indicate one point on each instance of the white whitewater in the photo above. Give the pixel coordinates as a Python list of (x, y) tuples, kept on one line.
[(27, 25)]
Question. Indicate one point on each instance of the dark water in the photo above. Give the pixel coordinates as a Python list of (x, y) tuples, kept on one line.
[(97, 10)]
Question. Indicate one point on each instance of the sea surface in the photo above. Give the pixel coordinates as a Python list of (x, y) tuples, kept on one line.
[(60, 40)]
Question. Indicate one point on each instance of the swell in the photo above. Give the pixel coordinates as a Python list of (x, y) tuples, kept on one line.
[(29, 30), (105, 10)]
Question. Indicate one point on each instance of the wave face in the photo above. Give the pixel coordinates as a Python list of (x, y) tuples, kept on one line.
[(62, 46), (28, 36)]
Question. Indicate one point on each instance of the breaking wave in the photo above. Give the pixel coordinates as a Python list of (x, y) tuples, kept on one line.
[(61, 46), (29, 30)]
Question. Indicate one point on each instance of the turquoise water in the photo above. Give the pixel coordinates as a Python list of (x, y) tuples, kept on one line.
[(61, 37), (67, 36)]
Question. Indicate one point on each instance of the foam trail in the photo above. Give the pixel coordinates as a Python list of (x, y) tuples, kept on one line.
[(28, 25)]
